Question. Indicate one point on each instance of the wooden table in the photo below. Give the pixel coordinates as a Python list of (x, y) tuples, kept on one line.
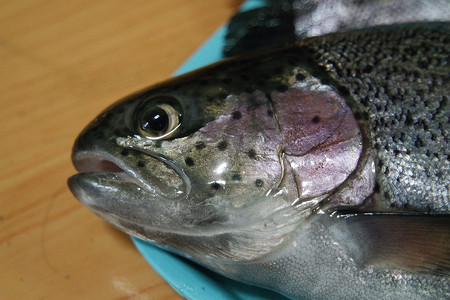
[(62, 62)]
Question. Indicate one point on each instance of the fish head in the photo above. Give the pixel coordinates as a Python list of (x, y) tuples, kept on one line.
[(199, 163)]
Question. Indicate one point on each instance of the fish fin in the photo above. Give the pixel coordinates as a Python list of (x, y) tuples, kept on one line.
[(279, 22), (259, 29), (416, 243)]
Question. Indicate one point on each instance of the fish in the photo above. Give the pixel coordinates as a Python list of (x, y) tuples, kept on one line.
[(278, 22), (319, 170)]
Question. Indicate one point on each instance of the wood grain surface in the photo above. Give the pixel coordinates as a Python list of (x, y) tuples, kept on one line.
[(62, 62)]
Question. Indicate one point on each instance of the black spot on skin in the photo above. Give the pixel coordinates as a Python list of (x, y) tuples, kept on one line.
[(227, 80), (367, 69), (270, 113), (189, 161), (344, 91), (293, 62), (200, 145), (300, 77), (282, 88), (215, 186), (236, 115), (325, 81), (259, 183), (141, 164), (323, 68), (244, 77), (118, 132), (261, 83), (379, 164), (409, 119), (124, 152), (236, 177), (222, 145), (376, 189), (316, 74), (423, 63), (316, 119), (157, 144), (278, 70), (248, 89), (419, 143), (251, 153), (265, 76)]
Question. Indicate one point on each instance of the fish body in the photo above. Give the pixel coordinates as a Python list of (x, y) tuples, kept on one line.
[(319, 170)]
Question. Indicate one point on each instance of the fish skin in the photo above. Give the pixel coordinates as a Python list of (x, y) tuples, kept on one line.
[(226, 190)]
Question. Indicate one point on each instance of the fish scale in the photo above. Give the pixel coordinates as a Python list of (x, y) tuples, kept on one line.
[(412, 152)]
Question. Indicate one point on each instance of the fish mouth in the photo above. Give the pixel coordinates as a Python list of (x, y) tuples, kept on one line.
[(88, 162), (129, 197), (154, 175)]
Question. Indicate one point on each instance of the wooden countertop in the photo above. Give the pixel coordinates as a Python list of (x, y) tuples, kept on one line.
[(62, 62)]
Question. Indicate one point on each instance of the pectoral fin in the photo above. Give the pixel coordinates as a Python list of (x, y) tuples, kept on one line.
[(416, 243)]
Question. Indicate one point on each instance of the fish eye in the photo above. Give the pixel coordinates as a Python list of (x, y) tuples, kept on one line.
[(158, 121)]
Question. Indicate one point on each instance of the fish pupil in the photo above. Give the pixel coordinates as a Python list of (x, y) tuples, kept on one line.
[(155, 121)]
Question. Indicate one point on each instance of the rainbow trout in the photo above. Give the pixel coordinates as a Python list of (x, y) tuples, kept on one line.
[(319, 170)]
